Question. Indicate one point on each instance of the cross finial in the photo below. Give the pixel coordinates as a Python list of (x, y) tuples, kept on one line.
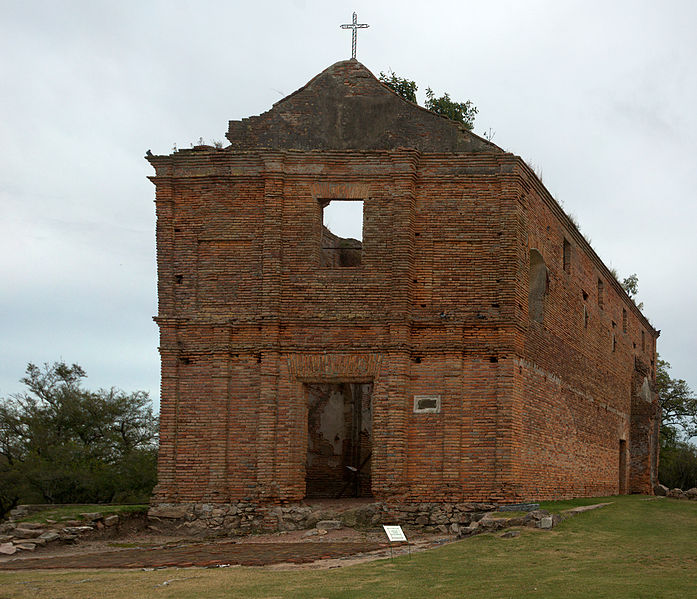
[(355, 26)]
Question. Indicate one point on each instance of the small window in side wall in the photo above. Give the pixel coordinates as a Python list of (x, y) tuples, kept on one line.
[(624, 320), (426, 404), (601, 291), (643, 341), (585, 317), (342, 233), (566, 257), (614, 342), (538, 284)]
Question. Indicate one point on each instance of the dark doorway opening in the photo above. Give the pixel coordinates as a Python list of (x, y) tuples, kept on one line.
[(339, 440)]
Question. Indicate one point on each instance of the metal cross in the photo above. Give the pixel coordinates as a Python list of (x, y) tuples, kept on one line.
[(354, 34)]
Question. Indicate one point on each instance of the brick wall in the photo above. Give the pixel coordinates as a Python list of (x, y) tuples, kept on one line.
[(250, 315), (578, 367)]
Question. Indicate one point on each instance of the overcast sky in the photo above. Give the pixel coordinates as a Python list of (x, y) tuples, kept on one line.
[(601, 97)]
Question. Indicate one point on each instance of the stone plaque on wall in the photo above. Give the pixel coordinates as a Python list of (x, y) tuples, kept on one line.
[(426, 404)]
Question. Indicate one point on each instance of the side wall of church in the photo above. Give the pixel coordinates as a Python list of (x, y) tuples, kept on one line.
[(581, 422)]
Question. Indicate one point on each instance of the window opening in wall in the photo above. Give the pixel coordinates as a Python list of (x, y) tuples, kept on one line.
[(643, 341), (614, 342), (342, 233), (567, 256), (624, 320), (585, 317), (538, 283), (601, 299)]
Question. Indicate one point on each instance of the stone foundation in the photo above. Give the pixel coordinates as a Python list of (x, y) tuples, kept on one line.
[(245, 517)]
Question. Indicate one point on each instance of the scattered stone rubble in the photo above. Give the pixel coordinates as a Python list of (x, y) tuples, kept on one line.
[(16, 535), (676, 493)]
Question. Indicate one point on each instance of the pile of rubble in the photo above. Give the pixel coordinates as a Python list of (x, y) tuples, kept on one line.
[(494, 521), (676, 493), (27, 536)]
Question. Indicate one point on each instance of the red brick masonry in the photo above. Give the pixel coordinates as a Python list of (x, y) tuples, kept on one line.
[(473, 287)]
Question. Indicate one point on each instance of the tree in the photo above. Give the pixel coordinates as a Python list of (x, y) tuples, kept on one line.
[(678, 460), (404, 87), (61, 443), (678, 402), (631, 285), (462, 112)]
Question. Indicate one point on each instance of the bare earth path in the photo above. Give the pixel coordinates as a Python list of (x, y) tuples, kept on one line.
[(292, 550), (215, 554)]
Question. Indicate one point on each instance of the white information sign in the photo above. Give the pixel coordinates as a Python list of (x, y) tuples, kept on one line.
[(394, 533)]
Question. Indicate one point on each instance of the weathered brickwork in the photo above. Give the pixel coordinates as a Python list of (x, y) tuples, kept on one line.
[(534, 398)]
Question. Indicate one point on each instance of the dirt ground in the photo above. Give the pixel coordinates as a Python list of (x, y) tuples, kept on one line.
[(284, 550)]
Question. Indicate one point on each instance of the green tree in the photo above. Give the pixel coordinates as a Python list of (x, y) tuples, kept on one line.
[(61, 443), (631, 285), (462, 112), (678, 402), (404, 87), (678, 459)]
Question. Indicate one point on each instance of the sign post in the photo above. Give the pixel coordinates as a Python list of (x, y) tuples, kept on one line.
[(396, 534)]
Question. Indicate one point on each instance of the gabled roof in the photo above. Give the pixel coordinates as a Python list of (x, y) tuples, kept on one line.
[(346, 108)]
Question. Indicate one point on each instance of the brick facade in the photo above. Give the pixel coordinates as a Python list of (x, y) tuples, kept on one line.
[(471, 288)]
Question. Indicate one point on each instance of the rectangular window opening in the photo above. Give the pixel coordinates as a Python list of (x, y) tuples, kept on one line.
[(601, 288), (643, 341), (567, 256), (342, 233), (624, 320)]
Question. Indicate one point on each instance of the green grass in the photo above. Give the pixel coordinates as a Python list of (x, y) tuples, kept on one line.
[(72, 512), (634, 548), (560, 506)]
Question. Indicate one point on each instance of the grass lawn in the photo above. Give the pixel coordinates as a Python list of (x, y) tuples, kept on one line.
[(72, 512), (637, 547)]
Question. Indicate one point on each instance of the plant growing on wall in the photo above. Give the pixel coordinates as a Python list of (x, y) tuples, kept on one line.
[(462, 112)]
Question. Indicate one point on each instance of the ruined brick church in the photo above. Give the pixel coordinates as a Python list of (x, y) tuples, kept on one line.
[(467, 345)]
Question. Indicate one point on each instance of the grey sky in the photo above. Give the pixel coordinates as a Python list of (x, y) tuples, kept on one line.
[(599, 96)]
